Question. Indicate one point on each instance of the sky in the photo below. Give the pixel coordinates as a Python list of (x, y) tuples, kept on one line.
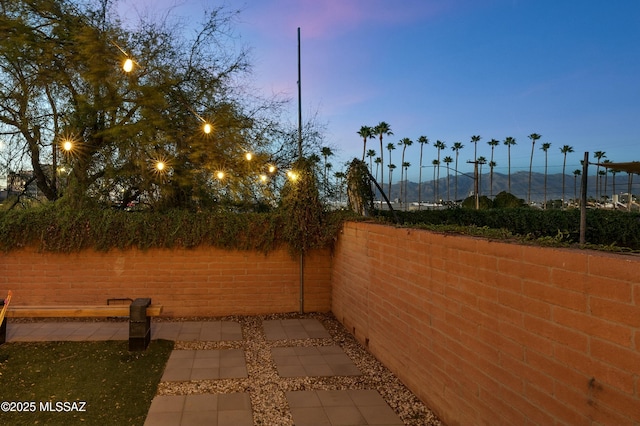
[(568, 70)]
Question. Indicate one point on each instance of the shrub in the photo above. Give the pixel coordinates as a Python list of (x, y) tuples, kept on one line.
[(610, 228)]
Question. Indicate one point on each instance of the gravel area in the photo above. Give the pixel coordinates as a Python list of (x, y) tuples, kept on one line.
[(267, 388)]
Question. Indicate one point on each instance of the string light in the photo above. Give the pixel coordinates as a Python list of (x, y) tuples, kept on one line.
[(69, 145), (161, 166), (128, 65)]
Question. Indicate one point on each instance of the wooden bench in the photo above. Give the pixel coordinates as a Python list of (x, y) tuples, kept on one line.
[(139, 313)]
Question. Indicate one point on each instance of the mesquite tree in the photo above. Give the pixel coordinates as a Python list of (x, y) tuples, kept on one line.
[(89, 129)]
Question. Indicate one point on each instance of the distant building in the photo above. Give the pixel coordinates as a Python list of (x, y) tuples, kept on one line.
[(19, 182)]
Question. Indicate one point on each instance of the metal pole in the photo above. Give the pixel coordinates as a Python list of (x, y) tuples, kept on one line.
[(629, 185), (300, 158), (302, 282), (476, 187), (583, 199), (299, 101), (475, 183), (54, 172)]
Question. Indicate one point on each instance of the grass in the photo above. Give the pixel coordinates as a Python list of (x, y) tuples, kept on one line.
[(117, 385)]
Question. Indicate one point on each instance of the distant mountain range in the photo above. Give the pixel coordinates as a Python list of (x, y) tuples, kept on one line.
[(519, 186)]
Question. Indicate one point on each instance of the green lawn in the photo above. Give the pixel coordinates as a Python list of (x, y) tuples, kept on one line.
[(68, 383)]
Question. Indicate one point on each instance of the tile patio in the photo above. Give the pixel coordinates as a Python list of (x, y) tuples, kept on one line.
[(304, 355)]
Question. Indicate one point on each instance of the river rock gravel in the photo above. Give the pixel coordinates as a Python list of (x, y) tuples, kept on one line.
[(267, 389)]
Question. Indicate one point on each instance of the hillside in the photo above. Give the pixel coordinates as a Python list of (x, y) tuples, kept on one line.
[(519, 186)]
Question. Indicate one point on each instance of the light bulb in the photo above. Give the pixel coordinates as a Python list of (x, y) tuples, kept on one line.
[(128, 65)]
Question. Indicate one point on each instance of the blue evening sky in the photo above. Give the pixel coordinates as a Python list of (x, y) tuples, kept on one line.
[(449, 69)]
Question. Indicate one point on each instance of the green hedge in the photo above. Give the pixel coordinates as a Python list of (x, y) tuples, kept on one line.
[(57, 228), (611, 228), (51, 228)]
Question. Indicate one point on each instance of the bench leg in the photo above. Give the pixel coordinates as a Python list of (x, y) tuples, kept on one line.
[(3, 326), (139, 325), (3, 331)]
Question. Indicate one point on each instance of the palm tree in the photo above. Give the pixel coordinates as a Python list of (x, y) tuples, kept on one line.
[(475, 139), (600, 174), (481, 160), (391, 168), (378, 162), (564, 150), (576, 173), (436, 164), (534, 137), (314, 159), (598, 155), (340, 177), (439, 146), (371, 153), (492, 164), (326, 153), (404, 143), (328, 190), (382, 129), (422, 140), (457, 146), (492, 143), (390, 147), (613, 181), (448, 160), (365, 133), (509, 141), (545, 147), (405, 166)]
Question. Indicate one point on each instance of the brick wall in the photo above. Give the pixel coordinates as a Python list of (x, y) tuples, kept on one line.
[(484, 332), (494, 333), (198, 282)]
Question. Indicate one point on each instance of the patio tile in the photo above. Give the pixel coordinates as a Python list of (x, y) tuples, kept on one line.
[(313, 361), (185, 365), (232, 409), (310, 416), (345, 415), (306, 328), (334, 398), (204, 402), (198, 418), (234, 401), (163, 419), (168, 404), (307, 407), (206, 331), (340, 407)]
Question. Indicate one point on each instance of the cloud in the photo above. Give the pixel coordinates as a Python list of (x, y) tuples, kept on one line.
[(326, 19)]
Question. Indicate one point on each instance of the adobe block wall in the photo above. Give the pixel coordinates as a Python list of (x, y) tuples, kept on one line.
[(495, 333), (197, 282)]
